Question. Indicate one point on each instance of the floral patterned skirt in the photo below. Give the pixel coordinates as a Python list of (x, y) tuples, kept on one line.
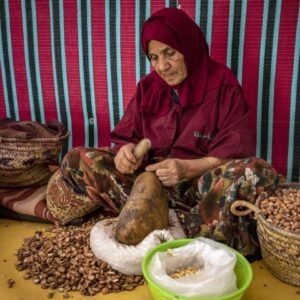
[(88, 181)]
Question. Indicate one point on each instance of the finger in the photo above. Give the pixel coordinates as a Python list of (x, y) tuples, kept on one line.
[(163, 173), (164, 178), (124, 165), (125, 170), (128, 153), (154, 167), (127, 166), (168, 182), (161, 178)]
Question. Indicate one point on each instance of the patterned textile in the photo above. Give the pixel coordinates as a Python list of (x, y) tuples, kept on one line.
[(64, 204), (29, 201), (87, 180), (202, 204), (83, 67), (211, 196)]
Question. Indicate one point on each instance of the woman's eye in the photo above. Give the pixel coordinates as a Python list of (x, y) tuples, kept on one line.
[(170, 53), (153, 59)]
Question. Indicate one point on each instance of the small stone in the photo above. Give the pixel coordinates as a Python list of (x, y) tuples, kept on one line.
[(50, 295), (10, 283)]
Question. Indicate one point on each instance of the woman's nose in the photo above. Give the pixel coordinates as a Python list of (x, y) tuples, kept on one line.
[(163, 65)]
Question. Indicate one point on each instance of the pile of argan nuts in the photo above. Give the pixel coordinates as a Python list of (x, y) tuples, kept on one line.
[(182, 272), (61, 259), (283, 209)]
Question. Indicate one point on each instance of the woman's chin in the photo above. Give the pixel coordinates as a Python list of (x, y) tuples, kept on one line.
[(172, 81)]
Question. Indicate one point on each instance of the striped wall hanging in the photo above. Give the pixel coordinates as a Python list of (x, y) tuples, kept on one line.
[(78, 61)]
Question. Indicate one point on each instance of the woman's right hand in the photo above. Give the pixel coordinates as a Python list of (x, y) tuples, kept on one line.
[(125, 160)]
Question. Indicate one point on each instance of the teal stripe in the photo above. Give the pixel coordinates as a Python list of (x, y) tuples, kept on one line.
[(57, 100), (197, 12), (11, 63), (53, 62), (242, 41), (4, 78), (64, 71), (29, 82), (119, 69), (167, 3), (91, 72), (108, 65), (261, 78), (209, 23), (81, 71), (293, 101), (37, 63), (230, 33), (148, 2), (137, 41), (272, 80), (66, 94)]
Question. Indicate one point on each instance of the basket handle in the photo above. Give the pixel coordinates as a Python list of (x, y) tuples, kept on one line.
[(242, 203)]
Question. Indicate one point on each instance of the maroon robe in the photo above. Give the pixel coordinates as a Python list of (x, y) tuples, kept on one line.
[(211, 117)]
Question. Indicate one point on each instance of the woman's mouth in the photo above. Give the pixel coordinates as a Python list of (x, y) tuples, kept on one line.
[(169, 76)]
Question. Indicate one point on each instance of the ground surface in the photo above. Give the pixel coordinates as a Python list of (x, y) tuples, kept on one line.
[(12, 233)]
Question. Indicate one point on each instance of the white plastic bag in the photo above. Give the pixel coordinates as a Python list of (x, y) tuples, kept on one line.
[(216, 276), (124, 258)]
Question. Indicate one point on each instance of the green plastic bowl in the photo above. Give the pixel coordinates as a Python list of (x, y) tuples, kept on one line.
[(242, 269)]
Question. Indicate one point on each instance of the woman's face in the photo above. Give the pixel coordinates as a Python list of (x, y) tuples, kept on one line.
[(168, 63)]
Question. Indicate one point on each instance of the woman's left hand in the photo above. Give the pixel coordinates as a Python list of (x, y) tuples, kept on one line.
[(170, 171)]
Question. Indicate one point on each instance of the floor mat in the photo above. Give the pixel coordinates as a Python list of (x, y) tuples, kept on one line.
[(12, 233)]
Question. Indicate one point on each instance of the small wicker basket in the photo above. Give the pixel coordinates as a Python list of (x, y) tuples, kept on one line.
[(280, 249), (24, 162)]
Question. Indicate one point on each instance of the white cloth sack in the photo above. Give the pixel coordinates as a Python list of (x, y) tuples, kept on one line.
[(215, 278), (128, 259)]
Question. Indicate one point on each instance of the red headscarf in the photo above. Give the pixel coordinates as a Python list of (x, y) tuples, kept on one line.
[(175, 28)]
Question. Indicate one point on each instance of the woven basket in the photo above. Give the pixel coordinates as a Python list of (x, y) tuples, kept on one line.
[(280, 249), (25, 162)]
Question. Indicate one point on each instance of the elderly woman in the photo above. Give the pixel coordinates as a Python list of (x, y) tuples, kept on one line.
[(193, 111)]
